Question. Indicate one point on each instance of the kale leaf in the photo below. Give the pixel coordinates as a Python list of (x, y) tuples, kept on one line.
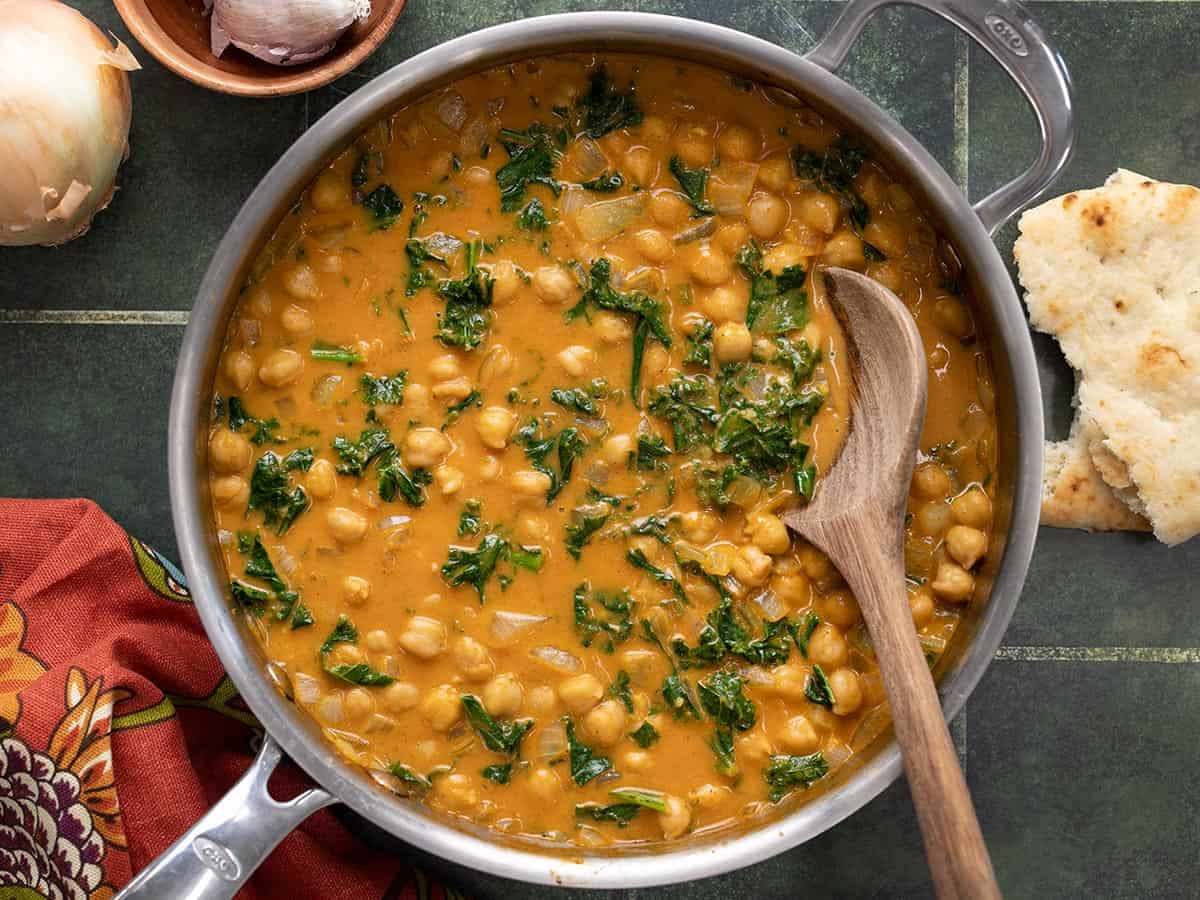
[(499, 737), (638, 559), (470, 520), (322, 351), (564, 448), (468, 300), (585, 764), (384, 207), (784, 773), (687, 403), (264, 429), (474, 566), (533, 216), (645, 735), (533, 154), (834, 172), (604, 109), (604, 183), (817, 688), (357, 455), (692, 182), (272, 493), (579, 532), (777, 303), (384, 389), (577, 399), (615, 627), (698, 349), (395, 480)]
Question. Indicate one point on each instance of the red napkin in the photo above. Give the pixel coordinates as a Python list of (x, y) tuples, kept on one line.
[(113, 701)]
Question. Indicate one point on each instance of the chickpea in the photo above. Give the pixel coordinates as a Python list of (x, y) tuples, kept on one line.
[(637, 761), (840, 608), (930, 481), (847, 692), (818, 211), (616, 449), (655, 246), (792, 588), (654, 130), (490, 468), (953, 317), (301, 283), (497, 363), (529, 484), (296, 319), (280, 368), (449, 479), (358, 703), (506, 281), (731, 237), (732, 342), (816, 565), (954, 583), (967, 545), (328, 192), (416, 398), (542, 700), (887, 235), (699, 526), (655, 361), (321, 480), (425, 448), (827, 648), (751, 566), (454, 389), (775, 172), (230, 491), (605, 724), (473, 659), (239, 369), (544, 785), (798, 736), (346, 526), (641, 166), (580, 693), (766, 214), (533, 529), (783, 255), (738, 143), (495, 425), (438, 165), (444, 367), (424, 638), (477, 176), (347, 654), (441, 707), (228, 451), (769, 534), (669, 209), (457, 791), (725, 304), (400, 696), (676, 819), (502, 696), (553, 285), (789, 680), (707, 796), (753, 747), (920, 602), (611, 328), (709, 266), (577, 359), (356, 591), (695, 146), (972, 508), (844, 249), (379, 641)]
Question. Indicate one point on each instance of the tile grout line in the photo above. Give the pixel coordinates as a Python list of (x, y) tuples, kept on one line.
[(1167, 655), (962, 113), (93, 317)]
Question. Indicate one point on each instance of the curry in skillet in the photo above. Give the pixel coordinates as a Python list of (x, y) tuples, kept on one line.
[(505, 421)]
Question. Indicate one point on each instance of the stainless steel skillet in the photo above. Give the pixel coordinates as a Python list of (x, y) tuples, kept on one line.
[(216, 856)]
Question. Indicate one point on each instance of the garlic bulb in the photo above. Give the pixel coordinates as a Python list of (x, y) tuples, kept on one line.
[(283, 32), (64, 121)]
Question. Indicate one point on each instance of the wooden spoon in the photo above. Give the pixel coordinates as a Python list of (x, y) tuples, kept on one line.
[(857, 519)]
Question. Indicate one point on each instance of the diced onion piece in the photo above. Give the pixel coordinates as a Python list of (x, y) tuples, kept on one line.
[(452, 110), (324, 388), (288, 564), (508, 626), (686, 551), (277, 672), (608, 218), (286, 406), (389, 522), (589, 836), (647, 279), (836, 754), (574, 198), (770, 604), (225, 537), (307, 689), (756, 675), (551, 742), (744, 491), (703, 229), (586, 160), (559, 660), (596, 473), (873, 724), (329, 710), (250, 330), (443, 245), (719, 560), (474, 136), (730, 186)]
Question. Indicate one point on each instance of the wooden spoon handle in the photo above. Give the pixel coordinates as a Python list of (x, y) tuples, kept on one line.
[(958, 857)]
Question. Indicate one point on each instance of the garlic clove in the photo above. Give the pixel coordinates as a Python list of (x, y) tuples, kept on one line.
[(283, 32)]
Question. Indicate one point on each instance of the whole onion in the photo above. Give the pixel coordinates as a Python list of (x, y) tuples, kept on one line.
[(64, 121)]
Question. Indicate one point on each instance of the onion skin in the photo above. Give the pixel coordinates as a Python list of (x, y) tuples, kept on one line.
[(65, 110)]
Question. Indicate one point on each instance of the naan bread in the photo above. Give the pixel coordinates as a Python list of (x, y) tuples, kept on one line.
[(1114, 274), (1074, 495)]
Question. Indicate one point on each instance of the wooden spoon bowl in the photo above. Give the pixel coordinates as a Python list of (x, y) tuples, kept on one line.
[(176, 32)]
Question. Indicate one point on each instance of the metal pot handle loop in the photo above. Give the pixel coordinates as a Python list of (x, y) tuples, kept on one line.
[(214, 858), (1005, 30)]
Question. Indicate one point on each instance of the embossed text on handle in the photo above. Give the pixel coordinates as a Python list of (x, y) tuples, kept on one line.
[(1007, 33), (217, 858)]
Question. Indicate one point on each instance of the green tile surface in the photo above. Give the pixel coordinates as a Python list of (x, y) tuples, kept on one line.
[(1080, 758)]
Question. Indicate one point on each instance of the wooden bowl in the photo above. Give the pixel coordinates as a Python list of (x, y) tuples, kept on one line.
[(176, 32)]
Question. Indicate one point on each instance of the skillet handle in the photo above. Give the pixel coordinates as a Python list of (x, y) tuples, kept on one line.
[(214, 858), (1005, 30)]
